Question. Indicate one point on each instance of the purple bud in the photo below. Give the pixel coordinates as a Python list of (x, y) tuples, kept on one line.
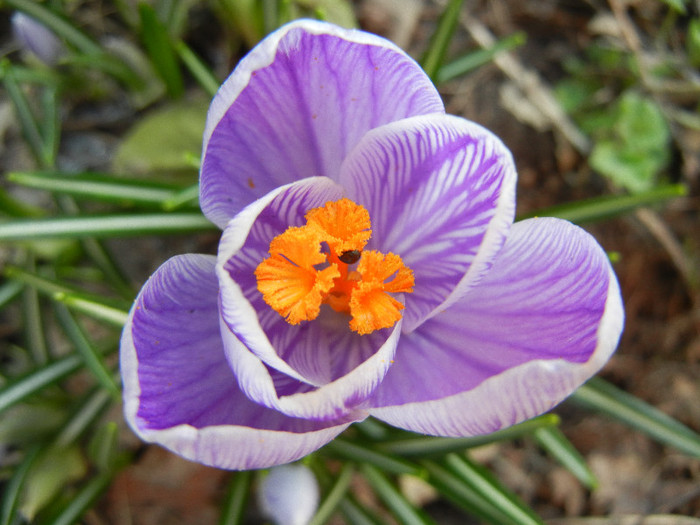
[(288, 495), (37, 38)]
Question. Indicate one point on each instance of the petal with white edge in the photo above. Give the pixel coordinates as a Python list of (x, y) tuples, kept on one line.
[(297, 104), (540, 323), (180, 392)]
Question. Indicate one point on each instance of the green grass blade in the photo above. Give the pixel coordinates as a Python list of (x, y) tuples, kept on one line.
[(84, 499), (428, 446), (608, 206), (600, 395), (97, 310), (467, 63), (13, 488), (96, 187), (201, 73), (236, 498), (186, 197), (52, 287), (555, 443), (463, 495), (157, 42), (33, 323), (27, 120), (83, 417), (362, 454), (491, 490), (355, 514), (91, 357), (57, 24), (102, 226), (335, 496), (18, 389), (437, 48), (9, 291), (404, 512)]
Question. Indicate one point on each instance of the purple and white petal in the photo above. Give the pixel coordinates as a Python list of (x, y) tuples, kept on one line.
[(328, 369), (180, 392), (297, 104), (440, 191), (539, 324)]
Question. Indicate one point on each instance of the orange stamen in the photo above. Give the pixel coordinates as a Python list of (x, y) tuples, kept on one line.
[(291, 283)]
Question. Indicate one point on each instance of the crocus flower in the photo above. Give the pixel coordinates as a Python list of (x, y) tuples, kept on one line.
[(288, 495), (37, 39), (369, 265)]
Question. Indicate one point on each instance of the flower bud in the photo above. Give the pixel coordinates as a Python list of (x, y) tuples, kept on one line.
[(288, 495), (36, 38)]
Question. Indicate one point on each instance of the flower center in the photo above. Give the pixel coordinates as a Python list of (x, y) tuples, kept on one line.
[(310, 265)]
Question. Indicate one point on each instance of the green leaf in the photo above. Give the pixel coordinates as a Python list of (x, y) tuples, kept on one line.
[(84, 499), (83, 416), (491, 490), (104, 445), (97, 310), (463, 495), (335, 496), (676, 5), (35, 381), (9, 292), (437, 48), (98, 187), (236, 497), (201, 73), (363, 454), (160, 141), (52, 471), (404, 512), (426, 446), (638, 151), (91, 357), (103, 226), (600, 395), (13, 488), (471, 61), (30, 422), (693, 42), (339, 12), (157, 42), (607, 206), (555, 443)]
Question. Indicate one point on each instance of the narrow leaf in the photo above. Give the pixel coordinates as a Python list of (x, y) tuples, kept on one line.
[(236, 497), (491, 490), (97, 187), (555, 443), (103, 226), (463, 495), (600, 208), (84, 499), (201, 73), (10, 291), (23, 387), (361, 454), (157, 42), (467, 63), (13, 488), (426, 446), (91, 357), (404, 512), (82, 417), (100, 311), (600, 395), (437, 48), (335, 496)]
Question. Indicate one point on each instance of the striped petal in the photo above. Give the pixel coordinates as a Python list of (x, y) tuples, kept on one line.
[(318, 369), (539, 324), (179, 390), (440, 191), (297, 104)]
